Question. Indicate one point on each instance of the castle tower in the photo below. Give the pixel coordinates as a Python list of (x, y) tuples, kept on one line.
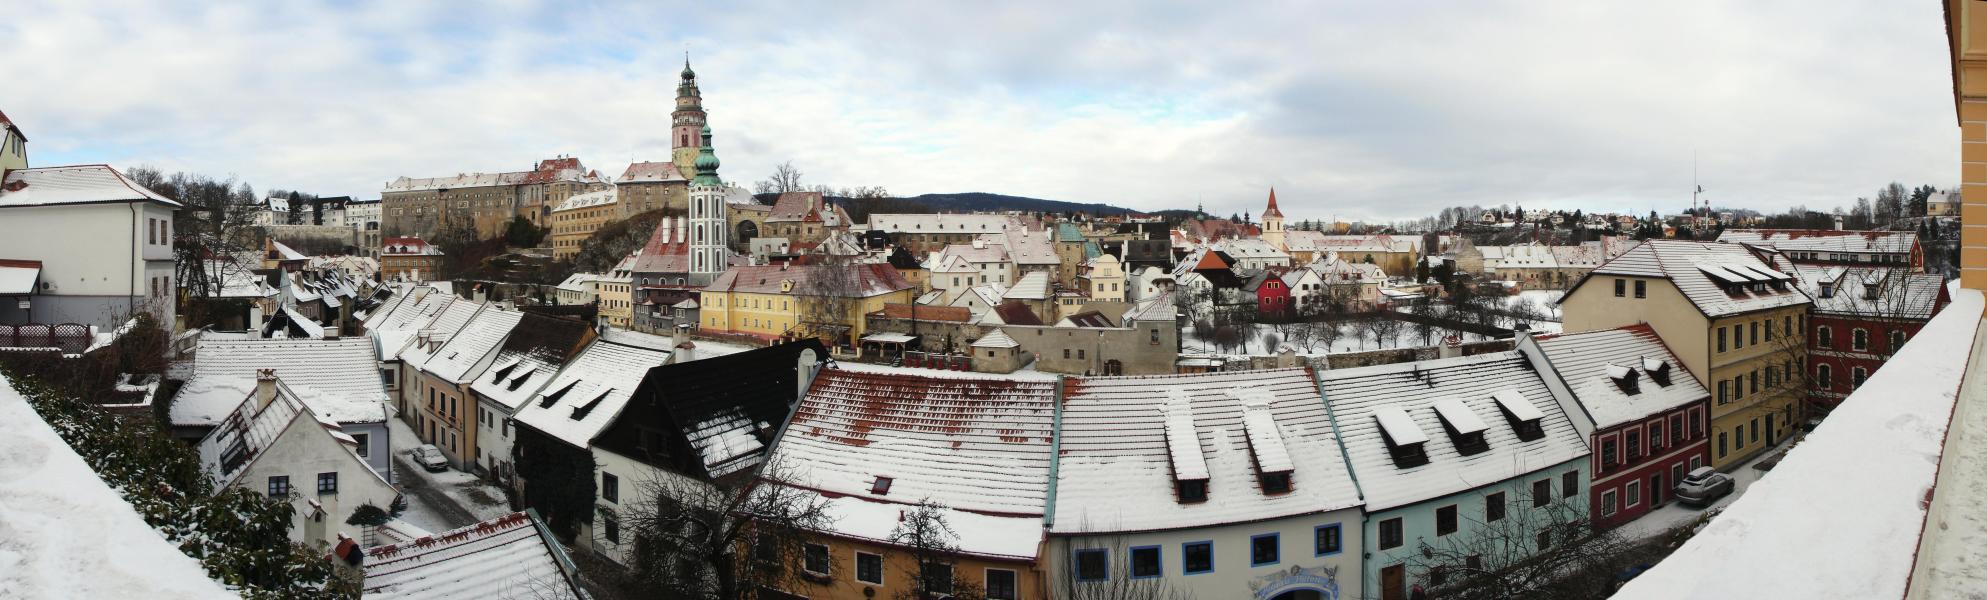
[(1273, 223), (709, 238), (687, 122)]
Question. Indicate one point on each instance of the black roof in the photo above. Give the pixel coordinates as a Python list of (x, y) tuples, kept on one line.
[(679, 406)]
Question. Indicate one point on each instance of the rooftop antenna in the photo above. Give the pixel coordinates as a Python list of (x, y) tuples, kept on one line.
[(1696, 190)]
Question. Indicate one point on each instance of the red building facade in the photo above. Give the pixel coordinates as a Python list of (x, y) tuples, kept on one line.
[(1273, 296), (1861, 317), (1637, 464)]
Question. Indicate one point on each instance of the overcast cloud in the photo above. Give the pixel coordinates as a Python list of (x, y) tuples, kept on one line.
[(1374, 110)]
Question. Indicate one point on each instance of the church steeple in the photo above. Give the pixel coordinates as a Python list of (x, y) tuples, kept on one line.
[(707, 161), (1273, 223)]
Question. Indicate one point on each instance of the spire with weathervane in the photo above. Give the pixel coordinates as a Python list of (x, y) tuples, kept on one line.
[(1273, 223)]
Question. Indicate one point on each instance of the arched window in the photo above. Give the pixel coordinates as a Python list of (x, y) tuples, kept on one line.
[(1896, 341), (1856, 377), (1859, 340), (1824, 376)]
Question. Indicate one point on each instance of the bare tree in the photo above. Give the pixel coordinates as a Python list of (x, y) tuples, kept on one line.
[(934, 549), (1117, 582), (1550, 552), (1424, 322), (785, 178), (829, 293), (1385, 328), (725, 539)]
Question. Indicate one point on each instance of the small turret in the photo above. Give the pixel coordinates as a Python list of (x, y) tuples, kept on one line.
[(707, 161)]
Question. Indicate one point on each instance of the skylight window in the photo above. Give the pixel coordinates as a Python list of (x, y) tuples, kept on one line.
[(881, 486)]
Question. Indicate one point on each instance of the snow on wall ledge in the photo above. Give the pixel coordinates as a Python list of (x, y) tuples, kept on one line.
[(65, 534), (1840, 516)]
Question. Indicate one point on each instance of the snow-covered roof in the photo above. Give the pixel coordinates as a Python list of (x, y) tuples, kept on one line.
[(1901, 294), (1032, 286), (583, 398), (1156, 308), (457, 359), (430, 337), (1026, 246), (74, 184), (285, 252), (1806, 240), (865, 280), (491, 559), (1364, 398), (69, 534), (19, 276), (251, 428), (1118, 468), (651, 172), (1659, 382), (1253, 248), (586, 200), (1679, 261), (996, 339), (977, 444), (577, 282), (343, 373), (1844, 514)]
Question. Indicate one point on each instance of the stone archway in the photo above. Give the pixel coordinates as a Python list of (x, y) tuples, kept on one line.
[(747, 230)]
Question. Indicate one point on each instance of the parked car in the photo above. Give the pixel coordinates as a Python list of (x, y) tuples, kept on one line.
[(1703, 486), (429, 457)]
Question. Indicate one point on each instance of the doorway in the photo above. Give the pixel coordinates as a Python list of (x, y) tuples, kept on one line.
[(1393, 583), (1771, 433), (1655, 490)]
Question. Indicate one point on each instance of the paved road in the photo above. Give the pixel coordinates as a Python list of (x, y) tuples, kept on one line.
[(424, 492)]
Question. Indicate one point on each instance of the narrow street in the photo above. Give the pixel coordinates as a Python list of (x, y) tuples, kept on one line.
[(427, 505)]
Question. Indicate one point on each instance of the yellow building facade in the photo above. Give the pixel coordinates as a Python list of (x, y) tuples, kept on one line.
[(578, 217), (1966, 30), (770, 301)]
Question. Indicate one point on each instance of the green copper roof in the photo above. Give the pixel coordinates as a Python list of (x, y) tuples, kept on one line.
[(1068, 232), (707, 162)]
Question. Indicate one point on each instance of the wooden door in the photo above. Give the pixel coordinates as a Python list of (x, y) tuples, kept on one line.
[(1393, 583)]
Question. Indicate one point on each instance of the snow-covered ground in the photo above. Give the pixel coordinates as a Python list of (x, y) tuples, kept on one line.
[(1669, 517), (1352, 338), (469, 494)]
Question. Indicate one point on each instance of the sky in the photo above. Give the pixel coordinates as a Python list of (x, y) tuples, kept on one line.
[(1373, 111)]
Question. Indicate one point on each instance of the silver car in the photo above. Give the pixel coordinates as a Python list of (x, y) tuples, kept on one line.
[(1703, 486), (429, 457)]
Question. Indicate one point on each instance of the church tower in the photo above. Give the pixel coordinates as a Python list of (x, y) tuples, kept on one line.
[(687, 122), (1273, 223), (709, 238)]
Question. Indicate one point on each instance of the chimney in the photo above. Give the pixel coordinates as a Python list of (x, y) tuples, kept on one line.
[(331, 332), (265, 387), (685, 351), (1452, 346)]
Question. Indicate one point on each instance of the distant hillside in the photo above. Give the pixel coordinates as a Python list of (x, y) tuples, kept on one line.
[(982, 201)]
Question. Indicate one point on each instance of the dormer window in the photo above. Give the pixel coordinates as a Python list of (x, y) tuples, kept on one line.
[(1275, 483), (1624, 379), (1658, 370), (1191, 490), (881, 486), (1404, 439), (1464, 428), (1519, 412), (553, 398)]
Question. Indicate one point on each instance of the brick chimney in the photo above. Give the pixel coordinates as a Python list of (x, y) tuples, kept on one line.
[(265, 387), (1452, 346), (684, 349)]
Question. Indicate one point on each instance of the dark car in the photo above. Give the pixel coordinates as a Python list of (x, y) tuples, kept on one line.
[(1703, 486)]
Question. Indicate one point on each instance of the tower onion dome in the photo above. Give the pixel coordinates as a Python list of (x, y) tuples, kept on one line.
[(687, 73), (707, 161)]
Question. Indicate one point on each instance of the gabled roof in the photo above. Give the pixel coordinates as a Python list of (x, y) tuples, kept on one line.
[(586, 200), (668, 248), (75, 184), (796, 206), (19, 276), (1117, 469), (649, 172), (536, 348), (343, 372), (1088, 318), (584, 397), (250, 429), (1358, 396), (1901, 294), (1585, 361), (977, 444), (456, 360), (408, 246), (490, 559), (430, 337), (996, 339), (1685, 264)]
